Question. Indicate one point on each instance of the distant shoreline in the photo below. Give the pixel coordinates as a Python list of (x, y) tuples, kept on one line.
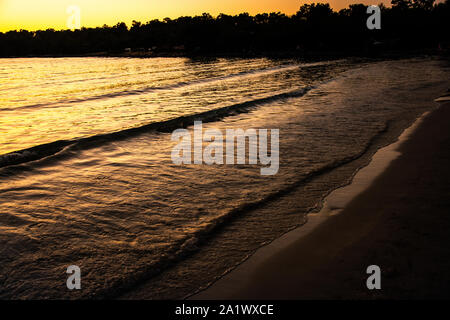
[(315, 31), (310, 55)]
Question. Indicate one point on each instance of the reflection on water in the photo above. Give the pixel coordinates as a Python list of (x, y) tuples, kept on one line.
[(55, 99), (121, 209)]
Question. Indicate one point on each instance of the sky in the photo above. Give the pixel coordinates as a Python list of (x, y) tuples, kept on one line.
[(43, 14)]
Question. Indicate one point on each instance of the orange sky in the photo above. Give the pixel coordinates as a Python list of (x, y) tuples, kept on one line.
[(42, 14)]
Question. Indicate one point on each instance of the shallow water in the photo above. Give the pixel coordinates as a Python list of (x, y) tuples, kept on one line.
[(119, 208)]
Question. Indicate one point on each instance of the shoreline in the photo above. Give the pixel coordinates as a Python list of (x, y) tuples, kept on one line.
[(281, 212), (292, 54), (287, 268), (338, 177)]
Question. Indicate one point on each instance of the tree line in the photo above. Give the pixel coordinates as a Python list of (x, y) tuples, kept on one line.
[(407, 25)]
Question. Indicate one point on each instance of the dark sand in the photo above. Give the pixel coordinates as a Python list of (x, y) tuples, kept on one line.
[(401, 223)]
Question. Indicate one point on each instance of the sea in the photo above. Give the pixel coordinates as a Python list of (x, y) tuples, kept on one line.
[(87, 178)]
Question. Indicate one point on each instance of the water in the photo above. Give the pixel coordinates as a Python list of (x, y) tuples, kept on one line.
[(115, 204), (69, 98)]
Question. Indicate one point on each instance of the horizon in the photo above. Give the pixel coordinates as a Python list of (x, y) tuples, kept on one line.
[(47, 14)]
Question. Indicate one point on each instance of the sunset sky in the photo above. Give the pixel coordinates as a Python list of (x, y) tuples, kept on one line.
[(42, 14)]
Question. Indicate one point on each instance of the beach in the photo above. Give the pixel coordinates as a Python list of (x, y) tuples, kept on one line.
[(89, 178), (189, 154), (400, 223)]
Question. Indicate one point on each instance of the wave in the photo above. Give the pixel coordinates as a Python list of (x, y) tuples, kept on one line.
[(54, 148), (190, 244), (178, 85), (150, 89)]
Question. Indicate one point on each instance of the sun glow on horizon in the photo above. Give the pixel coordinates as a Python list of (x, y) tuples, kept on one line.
[(43, 14)]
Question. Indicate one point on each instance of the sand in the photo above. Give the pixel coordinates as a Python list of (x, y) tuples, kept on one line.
[(400, 222)]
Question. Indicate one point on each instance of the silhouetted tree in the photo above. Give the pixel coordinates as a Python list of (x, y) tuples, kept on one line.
[(423, 4), (409, 24), (401, 4)]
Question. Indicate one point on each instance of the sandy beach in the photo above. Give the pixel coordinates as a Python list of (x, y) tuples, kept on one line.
[(400, 222)]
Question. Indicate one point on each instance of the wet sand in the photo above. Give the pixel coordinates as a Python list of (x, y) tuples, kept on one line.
[(400, 222)]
